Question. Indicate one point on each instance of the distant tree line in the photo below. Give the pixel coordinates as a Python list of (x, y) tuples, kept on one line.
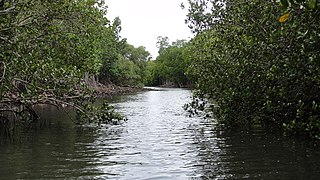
[(170, 67)]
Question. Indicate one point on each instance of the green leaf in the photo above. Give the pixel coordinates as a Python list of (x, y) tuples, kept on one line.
[(312, 4), (292, 2), (284, 3)]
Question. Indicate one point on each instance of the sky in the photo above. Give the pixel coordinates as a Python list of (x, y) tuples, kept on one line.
[(142, 21)]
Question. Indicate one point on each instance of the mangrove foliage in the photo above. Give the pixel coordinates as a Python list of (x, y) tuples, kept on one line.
[(170, 67), (50, 49), (258, 61)]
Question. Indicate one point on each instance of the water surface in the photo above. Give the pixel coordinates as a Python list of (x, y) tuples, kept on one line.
[(159, 141)]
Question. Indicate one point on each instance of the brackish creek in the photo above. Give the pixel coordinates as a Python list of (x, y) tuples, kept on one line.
[(159, 141)]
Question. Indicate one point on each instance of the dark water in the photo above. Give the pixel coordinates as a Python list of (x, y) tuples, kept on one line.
[(159, 141)]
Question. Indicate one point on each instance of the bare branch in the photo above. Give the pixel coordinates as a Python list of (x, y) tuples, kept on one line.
[(6, 11), (3, 72), (24, 21)]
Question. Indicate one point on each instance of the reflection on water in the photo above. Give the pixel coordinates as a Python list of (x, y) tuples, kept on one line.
[(159, 141)]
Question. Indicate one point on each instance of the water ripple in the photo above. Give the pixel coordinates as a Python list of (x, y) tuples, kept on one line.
[(159, 141)]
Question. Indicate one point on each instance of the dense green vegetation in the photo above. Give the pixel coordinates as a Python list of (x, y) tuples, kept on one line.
[(48, 51), (130, 67), (259, 61), (169, 68)]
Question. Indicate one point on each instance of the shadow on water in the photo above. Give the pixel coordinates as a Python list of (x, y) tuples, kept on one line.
[(23, 131), (159, 141), (254, 155), (52, 147)]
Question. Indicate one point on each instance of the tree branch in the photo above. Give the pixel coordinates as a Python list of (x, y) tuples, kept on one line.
[(3, 72), (6, 11), (24, 21)]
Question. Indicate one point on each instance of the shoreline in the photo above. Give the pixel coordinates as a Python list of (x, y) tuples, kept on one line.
[(110, 90)]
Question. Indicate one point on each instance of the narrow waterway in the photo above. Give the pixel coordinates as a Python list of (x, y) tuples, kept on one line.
[(159, 141)]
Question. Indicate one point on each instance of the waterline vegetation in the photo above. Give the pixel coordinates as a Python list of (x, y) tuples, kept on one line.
[(49, 52), (258, 61)]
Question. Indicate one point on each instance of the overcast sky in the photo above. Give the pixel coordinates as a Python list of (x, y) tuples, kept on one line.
[(143, 21)]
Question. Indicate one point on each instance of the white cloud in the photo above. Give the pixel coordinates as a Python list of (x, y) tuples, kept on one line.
[(143, 21)]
